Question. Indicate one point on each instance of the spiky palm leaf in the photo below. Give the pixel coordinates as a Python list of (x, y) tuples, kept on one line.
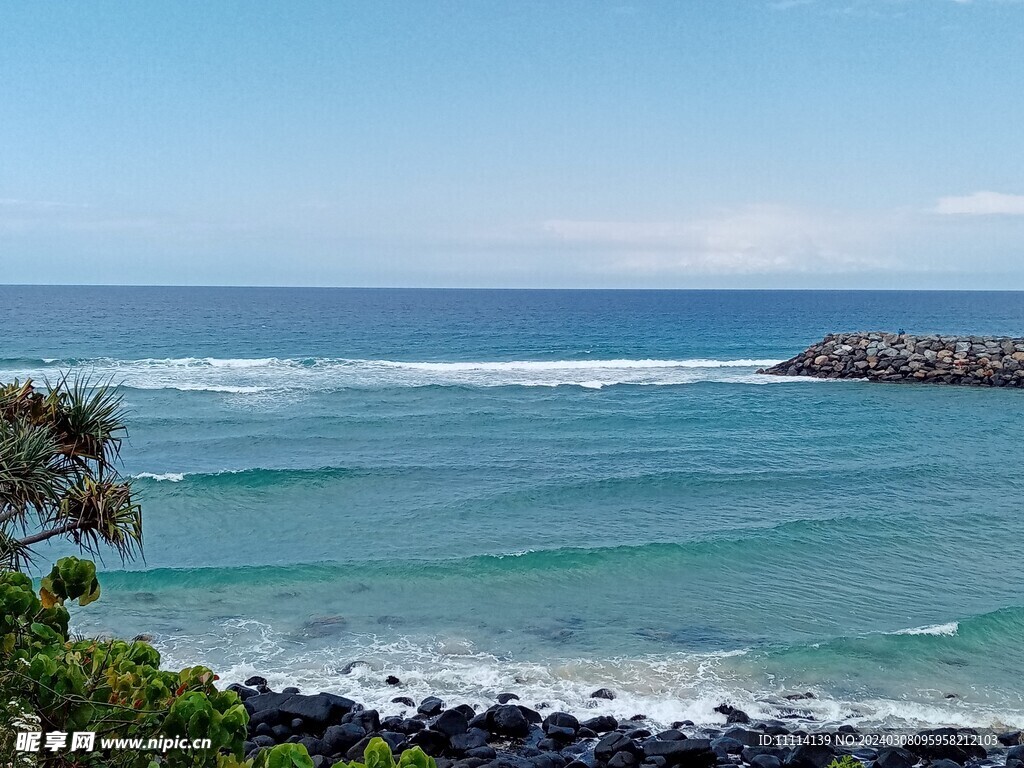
[(59, 451)]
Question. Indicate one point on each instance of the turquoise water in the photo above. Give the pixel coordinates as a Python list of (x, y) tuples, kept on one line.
[(554, 491)]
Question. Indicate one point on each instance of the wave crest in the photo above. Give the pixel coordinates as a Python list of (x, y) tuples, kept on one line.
[(254, 376)]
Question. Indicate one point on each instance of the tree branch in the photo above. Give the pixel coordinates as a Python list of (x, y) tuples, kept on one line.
[(60, 530)]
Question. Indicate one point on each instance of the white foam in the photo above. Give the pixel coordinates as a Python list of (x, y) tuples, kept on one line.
[(667, 689), (170, 477), (252, 376), (938, 629)]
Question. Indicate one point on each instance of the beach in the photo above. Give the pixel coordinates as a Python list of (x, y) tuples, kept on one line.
[(552, 492)]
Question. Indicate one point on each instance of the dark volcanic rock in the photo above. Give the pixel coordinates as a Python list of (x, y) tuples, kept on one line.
[(392, 680), (471, 739), (319, 710), (766, 761), (561, 726), (958, 753), (810, 756), (894, 757), (340, 738), (505, 698), (405, 700), (434, 743), (600, 724), (430, 706), (266, 701), (451, 723), (612, 743), (355, 752), (256, 680), (314, 745), (689, 753), (243, 692), (622, 760), (603, 693), (508, 720), (531, 716), (723, 745), (410, 726), (672, 734), (367, 719), (743, 736)]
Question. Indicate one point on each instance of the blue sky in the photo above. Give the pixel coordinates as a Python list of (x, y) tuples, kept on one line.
[(719, 143)]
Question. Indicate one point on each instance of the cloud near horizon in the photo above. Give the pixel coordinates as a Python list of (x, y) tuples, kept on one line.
[(981, 204), (757, 239)]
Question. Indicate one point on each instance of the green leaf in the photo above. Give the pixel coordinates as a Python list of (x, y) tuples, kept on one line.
[(378, 754), (284, 756), (416, 758)]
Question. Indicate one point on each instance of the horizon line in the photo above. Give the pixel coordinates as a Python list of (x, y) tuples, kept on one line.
[(506, 288)]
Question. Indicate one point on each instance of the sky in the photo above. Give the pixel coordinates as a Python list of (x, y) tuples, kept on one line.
[(623, 144)]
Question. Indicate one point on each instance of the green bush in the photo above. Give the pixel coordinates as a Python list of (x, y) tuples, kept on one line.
[(111, 687), (376, 755)]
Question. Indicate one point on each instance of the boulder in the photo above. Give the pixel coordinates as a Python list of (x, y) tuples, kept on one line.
[(723, 745), (689, 753), (451, 723), (340, 738), (810, 756), (468, 740), (432, 742), (367, 719), (319, 710), (243, 692), (561, 726), (509, 720), (315, 746), (612, 743), (601, 724), (672, 734), (894, 757), (606, 693), (430, 706), (622, 760)]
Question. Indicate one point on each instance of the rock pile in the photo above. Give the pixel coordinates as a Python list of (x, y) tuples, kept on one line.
[(900, 357), (509, 735)]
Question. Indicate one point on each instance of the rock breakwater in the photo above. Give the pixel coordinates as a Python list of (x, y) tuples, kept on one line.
[(985, 361)]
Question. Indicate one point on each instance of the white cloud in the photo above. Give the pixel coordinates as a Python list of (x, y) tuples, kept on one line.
[(981, 204), (758, 239)]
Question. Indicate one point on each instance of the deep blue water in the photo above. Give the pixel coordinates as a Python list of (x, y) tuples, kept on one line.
[(552, 491)]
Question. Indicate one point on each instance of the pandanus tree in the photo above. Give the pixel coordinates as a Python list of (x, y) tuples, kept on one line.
[(59, 457)]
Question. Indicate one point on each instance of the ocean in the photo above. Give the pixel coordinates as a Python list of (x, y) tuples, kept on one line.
[(549, 492)]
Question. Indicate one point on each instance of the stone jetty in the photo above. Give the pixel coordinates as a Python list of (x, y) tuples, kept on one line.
[(980, 361)]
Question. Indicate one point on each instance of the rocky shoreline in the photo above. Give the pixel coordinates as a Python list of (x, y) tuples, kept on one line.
[(987, 361), (509, 734)]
